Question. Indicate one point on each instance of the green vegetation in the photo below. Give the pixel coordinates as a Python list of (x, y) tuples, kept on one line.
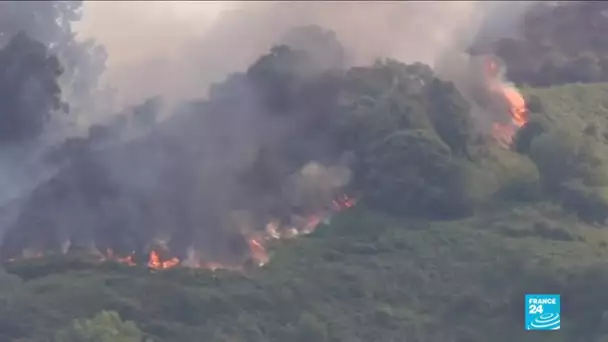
[(368, 275), (104, 327), (364, 277)]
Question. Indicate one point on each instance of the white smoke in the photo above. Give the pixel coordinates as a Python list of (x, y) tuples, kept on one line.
[(176, 49)]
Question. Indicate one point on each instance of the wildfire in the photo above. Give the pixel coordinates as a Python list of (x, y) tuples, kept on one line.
[(128, 260), (504, 132), (343, 202), (311, 224), (258, 252), (518, 109), (155, 262), (160, 259)]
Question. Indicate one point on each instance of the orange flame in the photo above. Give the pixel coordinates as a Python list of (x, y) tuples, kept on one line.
[(128, 260), (517, 105), (311, 224), (518, 112), (258, 252), (155, 262), (257, 249), (504, 133)]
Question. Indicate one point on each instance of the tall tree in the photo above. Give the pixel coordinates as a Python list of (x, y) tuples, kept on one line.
[(28, 88), (50, 22)]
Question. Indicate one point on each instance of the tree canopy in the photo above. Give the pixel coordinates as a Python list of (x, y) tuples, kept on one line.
[(50, 23), (104, 327), (29, 89)]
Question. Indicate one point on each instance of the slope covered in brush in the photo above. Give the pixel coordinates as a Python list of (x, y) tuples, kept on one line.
[(566, 139), (574, 105), (450, 232), (364, 277), (406, 137), (461, 279)]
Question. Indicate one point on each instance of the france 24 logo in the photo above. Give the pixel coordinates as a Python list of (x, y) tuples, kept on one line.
[(542, 312)]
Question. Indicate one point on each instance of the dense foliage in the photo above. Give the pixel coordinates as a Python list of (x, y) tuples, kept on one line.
[(28, 88), (50, 23), (104, 327), (461, 280)]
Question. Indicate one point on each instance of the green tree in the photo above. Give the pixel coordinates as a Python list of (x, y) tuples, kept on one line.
[(321, 44), (376, 101), (450, 114), (50, 22), (535, 105), (107, 326), (574, 169), (279, 76), (525, 135), (584, 68), (412, 172), (29, 91), (555, 153), (589, 203)]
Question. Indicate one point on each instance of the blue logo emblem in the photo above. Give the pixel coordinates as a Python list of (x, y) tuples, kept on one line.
[(542, 312)]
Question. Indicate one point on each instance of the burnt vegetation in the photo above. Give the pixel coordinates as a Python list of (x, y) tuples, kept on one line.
[(450, 231)]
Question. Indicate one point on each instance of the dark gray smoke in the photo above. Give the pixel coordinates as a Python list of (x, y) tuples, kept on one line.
[(214, 171), (134, 184), (182, 47)]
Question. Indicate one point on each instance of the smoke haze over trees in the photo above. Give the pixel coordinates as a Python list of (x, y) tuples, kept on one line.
[(560, 43), (29, 88), (448, 219)]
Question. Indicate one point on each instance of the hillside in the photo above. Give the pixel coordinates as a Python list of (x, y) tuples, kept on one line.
[(573, 104), (365, 277), (422, 209)]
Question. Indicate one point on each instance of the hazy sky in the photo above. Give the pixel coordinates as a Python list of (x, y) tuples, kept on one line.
[(176, 48)]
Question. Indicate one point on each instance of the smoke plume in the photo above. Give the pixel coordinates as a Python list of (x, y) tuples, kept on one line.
[(178, 48), (211, 174)]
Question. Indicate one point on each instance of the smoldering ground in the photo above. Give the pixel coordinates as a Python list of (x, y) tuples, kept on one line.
[(182, 181)]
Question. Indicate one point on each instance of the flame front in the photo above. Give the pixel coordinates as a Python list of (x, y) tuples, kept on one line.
[(157, 258), (517, 105), (155, 262), (258, 252), (504, 132), (128, 260)]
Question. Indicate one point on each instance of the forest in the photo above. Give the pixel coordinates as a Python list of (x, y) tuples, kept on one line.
[(450, 228)]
